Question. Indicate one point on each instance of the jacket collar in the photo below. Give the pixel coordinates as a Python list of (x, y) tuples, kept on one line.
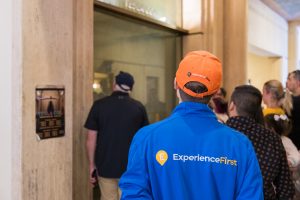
[(193, 108)]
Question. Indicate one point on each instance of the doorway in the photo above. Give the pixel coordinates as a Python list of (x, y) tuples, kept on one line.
[(149, 53)]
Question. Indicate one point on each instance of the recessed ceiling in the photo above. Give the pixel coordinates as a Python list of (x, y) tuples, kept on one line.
[(288, 9)]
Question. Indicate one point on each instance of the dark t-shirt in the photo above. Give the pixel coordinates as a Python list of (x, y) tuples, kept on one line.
[(295, 133), (116, 118)]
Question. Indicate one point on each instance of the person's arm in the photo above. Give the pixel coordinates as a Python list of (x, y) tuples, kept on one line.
[(145, 121), (90, 148), (250, 180), (285, 188), (293, 155), (134, 183)]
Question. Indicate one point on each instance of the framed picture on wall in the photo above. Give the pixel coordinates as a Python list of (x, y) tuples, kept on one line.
[(50, 111)]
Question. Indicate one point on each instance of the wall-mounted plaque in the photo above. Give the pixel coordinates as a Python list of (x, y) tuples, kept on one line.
[(50, 111)]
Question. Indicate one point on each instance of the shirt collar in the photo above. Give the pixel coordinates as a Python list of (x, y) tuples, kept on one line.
[(240, 119), (119, 93)]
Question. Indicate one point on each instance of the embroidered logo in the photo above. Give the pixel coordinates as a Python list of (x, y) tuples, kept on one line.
[(161, 157)]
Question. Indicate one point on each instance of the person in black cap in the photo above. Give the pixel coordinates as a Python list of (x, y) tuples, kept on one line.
[(112, 123)]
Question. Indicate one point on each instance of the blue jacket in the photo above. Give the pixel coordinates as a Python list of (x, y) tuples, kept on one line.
[(190, 155)]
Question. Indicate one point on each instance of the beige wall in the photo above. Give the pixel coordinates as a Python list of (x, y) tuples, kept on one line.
[(57, 41), (47, 164), (222, 30), (5, 101), (235, 43), (294, 46), (261, 69), (193, 22), (82, 94), (266, 29), (17, 102), (10, 85), (192, 16), (268, 38), (205, 27)]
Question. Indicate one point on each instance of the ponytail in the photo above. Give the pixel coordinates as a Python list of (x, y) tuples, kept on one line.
[(283, 98), (286, 102)]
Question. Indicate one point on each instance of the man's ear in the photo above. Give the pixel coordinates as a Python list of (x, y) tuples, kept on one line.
[(232, 109), (175, 84), (231, 106), (176, 88), (298, 83)]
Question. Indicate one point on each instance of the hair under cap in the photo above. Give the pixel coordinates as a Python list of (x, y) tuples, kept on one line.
[(202, 67)]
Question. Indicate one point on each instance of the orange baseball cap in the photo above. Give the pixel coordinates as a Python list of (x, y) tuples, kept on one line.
[(202, 67)]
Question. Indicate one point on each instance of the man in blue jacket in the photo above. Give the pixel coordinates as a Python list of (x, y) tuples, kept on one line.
[(190, 155)]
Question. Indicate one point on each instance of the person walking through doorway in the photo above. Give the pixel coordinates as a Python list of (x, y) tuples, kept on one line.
[(112, 123)]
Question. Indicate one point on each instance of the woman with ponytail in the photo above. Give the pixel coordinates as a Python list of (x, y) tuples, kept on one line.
[(278, 108), (277, 101)]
